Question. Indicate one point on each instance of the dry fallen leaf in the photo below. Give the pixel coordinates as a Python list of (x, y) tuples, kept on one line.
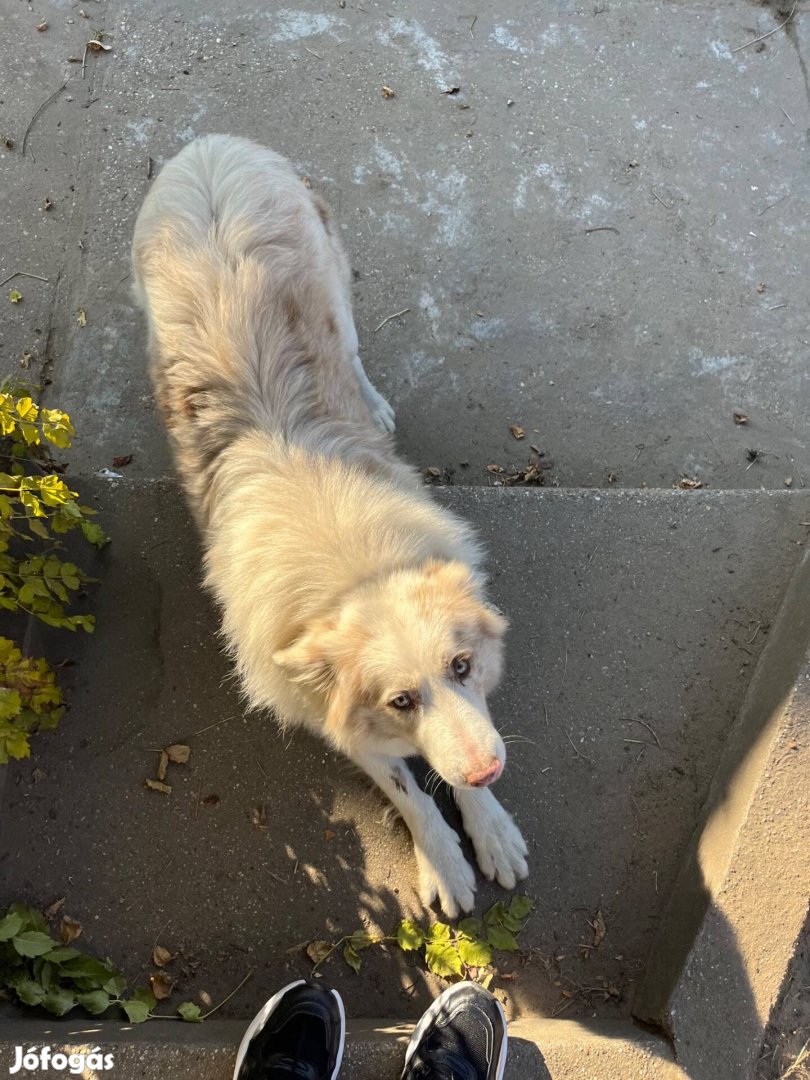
[(157, 785), (497, 469), (163, 765), (37, 776), (179, 753), (81, 317), (98, 46), (688, 483), (161, 957), (69, 930), (162, 985), (740, 417), (612, 478), (329, 834), (48, 204), (258, 817), (517, 431), (54, 909), (42, 27), (599, 928), (25, 360), (761, 288), (205, 998), (451, 90), (305, 180), (83, 13), (387, 92), (318, 951), (431, 470), (120, 460)]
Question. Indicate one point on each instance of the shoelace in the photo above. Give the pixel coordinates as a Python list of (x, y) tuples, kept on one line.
[(446, 1065)]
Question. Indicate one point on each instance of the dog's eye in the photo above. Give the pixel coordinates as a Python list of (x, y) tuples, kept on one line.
[(402, 701), (461, 667)]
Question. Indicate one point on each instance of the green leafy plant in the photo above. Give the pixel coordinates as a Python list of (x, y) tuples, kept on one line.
[(36, 507), (464, 950), (30, 700), (39, 970)]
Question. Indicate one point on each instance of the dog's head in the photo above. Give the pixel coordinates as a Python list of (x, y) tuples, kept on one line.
[(405, 666)]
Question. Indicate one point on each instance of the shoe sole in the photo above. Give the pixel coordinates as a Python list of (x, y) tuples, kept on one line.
[(435, 1009), (261, 1018)]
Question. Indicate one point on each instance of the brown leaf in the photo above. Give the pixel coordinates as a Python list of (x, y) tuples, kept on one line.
[(43, 26), (431, 470), (318, 951), (205, 999), (157, 785), (37, 776), (98, 46), (161, 957), (258, 817), (69, 930), (48, 204), (387, 92), (54, 909), (162, 985), (329, 834), (163, 765), (599, 928), (740, 417), (761, 287), (305, 180), (121, 460), (517, 431), (688, 483), (497, 469), (179, 753), (612, 478), (451, 90), (211, 800)]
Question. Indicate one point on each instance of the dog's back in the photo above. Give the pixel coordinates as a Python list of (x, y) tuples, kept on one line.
[(245, 286)]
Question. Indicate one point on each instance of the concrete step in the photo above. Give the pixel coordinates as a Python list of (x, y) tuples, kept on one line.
[(637, 623)]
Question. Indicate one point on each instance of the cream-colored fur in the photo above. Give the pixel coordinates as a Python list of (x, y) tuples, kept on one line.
[(351, 603)]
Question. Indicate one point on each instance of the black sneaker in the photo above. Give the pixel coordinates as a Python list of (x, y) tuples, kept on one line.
[(462, 1036), (298, 1034)]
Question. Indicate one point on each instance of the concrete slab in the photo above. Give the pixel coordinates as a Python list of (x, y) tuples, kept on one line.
[(631, 614), (739, 904), (374, 1049), (621, 352)]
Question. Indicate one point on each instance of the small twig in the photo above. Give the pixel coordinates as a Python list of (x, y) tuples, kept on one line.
[(787, 114), (565, 669), (228, 998), (472, 25), (657, 196), (762, 37), (770, 206), (210, 726), (84, 57), (545, 713), (160, 935), (753, 636), (21, 273), (578, 752), (43, 106), (199, 796), (592, 554), (635, 720), (776, 307), (313, 53), (603, 228), (396, 315)]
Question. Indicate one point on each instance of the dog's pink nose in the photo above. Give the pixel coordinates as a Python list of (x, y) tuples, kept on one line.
[(486, 776)]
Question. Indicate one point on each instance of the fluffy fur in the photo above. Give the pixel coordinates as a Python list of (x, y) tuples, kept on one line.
[(350, 602)]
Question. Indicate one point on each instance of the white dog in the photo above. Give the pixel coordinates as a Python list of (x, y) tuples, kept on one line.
[(351, 603)]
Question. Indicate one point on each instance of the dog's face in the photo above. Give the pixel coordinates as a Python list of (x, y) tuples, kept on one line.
[(405, 667)]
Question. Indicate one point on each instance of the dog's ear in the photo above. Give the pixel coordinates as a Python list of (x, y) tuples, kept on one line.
[(309, 657), (492, 623)]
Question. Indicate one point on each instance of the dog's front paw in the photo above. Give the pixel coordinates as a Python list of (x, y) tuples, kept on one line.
[(382, 411), (445, 874), (499, 846)]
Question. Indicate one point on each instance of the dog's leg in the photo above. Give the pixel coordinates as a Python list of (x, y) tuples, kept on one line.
[(381, 411), (443, 870), (499, 847)]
